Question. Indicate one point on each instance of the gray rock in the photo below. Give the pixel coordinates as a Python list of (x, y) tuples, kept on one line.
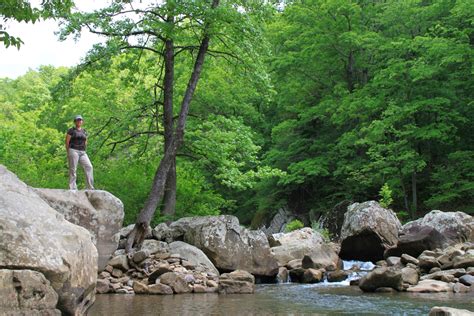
[(192, 254), (228, 245), (140, 288), (337, 276), (282, 276), (381, 277), (410, 276), (413, 240), (467, 280), (312, 276), (464, 261), (140, 255), (159, 288), (393, 261), (430, 286), (304, 242), (428, 262), (152, 246), (237, 282), (103, 286), (368, 230), (100, 212), (293, 264), (456, 226), (449, 311), (119, 262), (176, 281), (439, 274), (25, 292), (37, 237), (405, 259)]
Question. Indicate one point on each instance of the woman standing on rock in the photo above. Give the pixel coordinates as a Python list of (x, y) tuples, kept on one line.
[(76, 143)]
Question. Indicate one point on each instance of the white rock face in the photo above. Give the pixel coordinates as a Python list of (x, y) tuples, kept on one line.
[(193, 255), (303, 242), (228, 245), (456, 226), (34, 236), (368, 230), (100, 212)]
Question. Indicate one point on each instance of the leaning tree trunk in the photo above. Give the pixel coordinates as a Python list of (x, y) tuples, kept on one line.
[(169, 200), (137, 235)]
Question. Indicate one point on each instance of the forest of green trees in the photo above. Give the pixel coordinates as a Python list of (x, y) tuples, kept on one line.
[(301, 104)]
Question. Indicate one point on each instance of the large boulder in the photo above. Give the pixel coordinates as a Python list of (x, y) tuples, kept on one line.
[(383, 277), (436, 229), (237, 282), (304, 242), (26, 292), (368, 230), (449, 311), (100, 212), (455, 226), (36, 237), (416, 240), (228, 245), (193, 254)]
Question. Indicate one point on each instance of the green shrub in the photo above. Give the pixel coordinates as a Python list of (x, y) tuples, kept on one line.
[(385, 196), (324, 232), (294, 225)]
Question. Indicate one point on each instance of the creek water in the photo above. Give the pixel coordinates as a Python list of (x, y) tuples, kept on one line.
[(284, 299)]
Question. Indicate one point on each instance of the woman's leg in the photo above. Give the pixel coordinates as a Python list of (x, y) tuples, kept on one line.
[(88, 170), (73, 158)]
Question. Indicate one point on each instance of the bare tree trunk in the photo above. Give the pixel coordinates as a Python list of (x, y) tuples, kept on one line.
[(170, 189), (137, 235), (169, 207)]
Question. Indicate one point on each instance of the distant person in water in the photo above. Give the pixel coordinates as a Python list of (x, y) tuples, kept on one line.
[(76, 143)]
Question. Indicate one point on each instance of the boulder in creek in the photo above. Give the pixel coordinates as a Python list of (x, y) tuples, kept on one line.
[(449, 311), (227, 244), (159, 288), (382, 277), (193, 255), (410, 276), (430, 286), (304, 242), (282, 276), (368, 230), (312, 276), (34, 236), (26, 292), (337, 276), (464, 261), (237, 282), (455, 226), (416, 239), (440, 274), (176, 281), (100, 212), (467, 280)]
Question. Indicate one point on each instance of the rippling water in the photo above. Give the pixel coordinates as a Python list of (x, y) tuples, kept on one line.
[(283, 299)]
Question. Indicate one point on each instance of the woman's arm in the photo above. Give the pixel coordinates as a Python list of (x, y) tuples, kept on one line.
[(68, 139)]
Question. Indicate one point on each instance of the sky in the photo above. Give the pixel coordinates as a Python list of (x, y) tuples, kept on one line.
[(42, 47)]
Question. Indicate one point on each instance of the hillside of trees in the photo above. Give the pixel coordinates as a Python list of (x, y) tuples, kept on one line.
[(301, 105)]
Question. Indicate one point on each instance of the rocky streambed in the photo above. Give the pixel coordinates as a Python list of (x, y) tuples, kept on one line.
[(60, 248)]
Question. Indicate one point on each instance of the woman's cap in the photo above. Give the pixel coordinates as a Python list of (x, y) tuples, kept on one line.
[(78, 117)]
